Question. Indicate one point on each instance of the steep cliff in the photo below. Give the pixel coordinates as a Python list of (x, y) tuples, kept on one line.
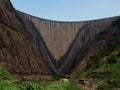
[(19, 54)]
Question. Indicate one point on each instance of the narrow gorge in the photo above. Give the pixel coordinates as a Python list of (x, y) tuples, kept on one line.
[(30, 45)]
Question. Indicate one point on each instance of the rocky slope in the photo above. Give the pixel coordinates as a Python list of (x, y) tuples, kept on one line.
[(102, 67), (19, 54)]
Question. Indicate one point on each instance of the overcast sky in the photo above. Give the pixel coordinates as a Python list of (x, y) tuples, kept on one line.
[(69, 10)]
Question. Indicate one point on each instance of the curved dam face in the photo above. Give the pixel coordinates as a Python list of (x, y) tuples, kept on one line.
[(58, 36), (64, 44)]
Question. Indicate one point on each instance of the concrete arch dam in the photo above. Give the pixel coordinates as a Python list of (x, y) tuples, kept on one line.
[(60, 40)]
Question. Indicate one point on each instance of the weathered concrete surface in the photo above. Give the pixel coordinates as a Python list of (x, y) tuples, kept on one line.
[(58, 36)]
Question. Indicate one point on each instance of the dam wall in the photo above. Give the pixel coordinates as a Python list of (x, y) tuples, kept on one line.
[(66, 43), (58, 36)]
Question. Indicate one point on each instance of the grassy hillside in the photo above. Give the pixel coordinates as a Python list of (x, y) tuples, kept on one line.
[(6, 80), (49, 86), (103, 67), (107, 68)]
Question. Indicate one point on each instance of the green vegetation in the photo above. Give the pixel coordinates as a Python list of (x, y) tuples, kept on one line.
[(58, 77), (111, 59), (30, 86), (62, 86), (7, 83), (94, 61), (108, 71), (6, 80), (5, 75), (103, 67)]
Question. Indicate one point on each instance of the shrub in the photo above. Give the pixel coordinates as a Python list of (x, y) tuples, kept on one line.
[(30, 86), (111, 59), (58, 77), (6, 85), (94, 61), (5, 75)]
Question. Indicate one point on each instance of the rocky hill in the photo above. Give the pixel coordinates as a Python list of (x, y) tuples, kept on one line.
[(19, 54)]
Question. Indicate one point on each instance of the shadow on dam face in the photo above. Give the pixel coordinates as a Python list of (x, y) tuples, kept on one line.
[(61, 40)]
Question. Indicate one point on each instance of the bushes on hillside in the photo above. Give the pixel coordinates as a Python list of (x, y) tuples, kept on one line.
[(93, 62), (111, 59), (5, 75), (30, 86)]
